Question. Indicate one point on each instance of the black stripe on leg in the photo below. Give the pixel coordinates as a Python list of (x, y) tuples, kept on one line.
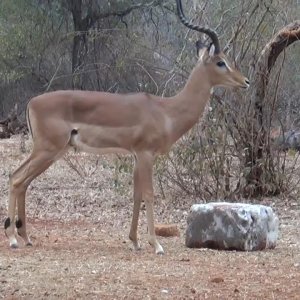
[(7, 223), (19, 223)]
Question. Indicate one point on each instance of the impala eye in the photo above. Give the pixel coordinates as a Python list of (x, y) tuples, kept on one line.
[(221, 64)]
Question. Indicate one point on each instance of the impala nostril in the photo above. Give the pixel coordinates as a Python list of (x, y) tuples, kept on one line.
[(247, 81)]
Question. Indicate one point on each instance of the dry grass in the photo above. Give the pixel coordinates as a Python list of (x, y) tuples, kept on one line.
[(79, 227)]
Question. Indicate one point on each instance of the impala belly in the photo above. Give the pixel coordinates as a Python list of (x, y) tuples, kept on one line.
[(80, 146), (123, 140)]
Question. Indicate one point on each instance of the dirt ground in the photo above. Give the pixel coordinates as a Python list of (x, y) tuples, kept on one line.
[(79, 226)]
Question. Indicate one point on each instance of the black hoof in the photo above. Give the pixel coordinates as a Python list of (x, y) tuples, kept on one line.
[(7, 223), (14, 246)]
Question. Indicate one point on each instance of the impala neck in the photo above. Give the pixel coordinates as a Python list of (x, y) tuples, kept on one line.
[(188, 105)]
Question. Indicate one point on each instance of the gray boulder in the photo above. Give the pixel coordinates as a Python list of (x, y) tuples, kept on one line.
[(231, 226), (287, 140)]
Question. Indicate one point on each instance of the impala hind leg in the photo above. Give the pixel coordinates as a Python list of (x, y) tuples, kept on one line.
[(137, 199), (145, 164), (37, 163)]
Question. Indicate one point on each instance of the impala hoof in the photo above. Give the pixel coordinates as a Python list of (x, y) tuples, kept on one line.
[(160, 252), (29, 244), (14, 246), (136, 246)]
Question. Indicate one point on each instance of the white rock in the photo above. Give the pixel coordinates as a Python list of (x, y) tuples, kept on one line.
[(232, 226)]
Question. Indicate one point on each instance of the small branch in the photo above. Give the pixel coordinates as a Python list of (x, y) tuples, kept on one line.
[(143, 68), (53, 77), (239, 29), (91, 19)]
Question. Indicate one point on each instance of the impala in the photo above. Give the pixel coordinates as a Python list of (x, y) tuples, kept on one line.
[(141, 124)]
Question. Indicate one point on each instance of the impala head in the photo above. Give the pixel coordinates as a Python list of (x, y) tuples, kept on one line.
[(217, 67), (219, 70)]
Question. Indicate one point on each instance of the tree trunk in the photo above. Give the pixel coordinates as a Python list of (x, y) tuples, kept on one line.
[(259, 150), (79, 49), (82, 25)]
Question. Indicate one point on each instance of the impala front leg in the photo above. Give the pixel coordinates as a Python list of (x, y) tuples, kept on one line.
[(150, 220), (137, 199), (145, 163)]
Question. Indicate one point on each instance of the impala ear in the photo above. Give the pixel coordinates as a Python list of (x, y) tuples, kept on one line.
[(211, 50), (203, 55)]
